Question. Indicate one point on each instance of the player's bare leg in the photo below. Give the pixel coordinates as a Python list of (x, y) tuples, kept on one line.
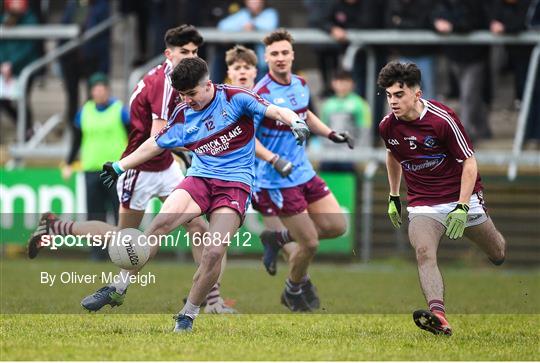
[(177, 210), (328, 217), (49, 225), (304, 232), (424, 235), (489, 239), (274, 238), (214, 303), (224, 222), (329, 222)]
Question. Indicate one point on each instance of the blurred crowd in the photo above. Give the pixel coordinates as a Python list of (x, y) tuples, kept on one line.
[(467, 67)]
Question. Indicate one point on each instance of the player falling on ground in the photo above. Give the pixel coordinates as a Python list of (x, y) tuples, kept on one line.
[(427, 143), (216, 123), (300, 207), (150, 106)]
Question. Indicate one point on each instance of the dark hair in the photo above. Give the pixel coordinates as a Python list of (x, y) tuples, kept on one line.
[(182, 35), (240, 53), (188, 74), (278, 35), (342, 74), (402, 73)]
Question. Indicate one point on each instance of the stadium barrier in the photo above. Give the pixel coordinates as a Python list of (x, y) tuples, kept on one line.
[(32, 147), (358, 39)]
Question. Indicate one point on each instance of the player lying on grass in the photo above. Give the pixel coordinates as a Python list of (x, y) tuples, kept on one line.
[(427, 143), (216, 123), (151, 104), (300, 207)]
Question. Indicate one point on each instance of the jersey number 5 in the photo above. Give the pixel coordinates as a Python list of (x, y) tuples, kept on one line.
[(412, 144)]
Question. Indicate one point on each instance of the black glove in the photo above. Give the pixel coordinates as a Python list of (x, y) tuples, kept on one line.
[(283, 166), (342, 137), (111, 172)]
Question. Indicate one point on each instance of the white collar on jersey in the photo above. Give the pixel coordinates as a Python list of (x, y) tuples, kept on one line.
[(424, 111)]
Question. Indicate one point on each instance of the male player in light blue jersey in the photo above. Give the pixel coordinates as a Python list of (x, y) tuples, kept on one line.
[(216, 123), (302, 201)]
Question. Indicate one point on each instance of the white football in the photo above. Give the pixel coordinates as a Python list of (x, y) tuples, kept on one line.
[(128, 249)]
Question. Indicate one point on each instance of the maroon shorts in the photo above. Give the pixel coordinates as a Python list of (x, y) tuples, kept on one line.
[(295, 199), (211, 194)]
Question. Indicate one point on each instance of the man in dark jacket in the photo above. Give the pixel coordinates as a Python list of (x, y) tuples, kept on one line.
[(468, 62)]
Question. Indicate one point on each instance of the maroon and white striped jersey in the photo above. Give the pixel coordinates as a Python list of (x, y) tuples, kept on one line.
[(153, 98), (431, 151)]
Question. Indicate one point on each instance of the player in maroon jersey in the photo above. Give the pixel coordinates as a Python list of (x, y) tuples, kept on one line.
[(427, 143)]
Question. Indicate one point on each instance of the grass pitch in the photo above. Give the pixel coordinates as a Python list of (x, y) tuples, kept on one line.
[(365, 315)]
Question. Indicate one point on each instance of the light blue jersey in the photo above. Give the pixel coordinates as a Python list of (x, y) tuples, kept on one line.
[(278, 138), (221, 136)]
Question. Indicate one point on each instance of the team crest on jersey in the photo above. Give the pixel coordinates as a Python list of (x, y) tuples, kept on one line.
[(430, 141), (278, 100), (224, 113)]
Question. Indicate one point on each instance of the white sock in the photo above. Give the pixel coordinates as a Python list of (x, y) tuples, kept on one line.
[(190, 310), (121, 281)]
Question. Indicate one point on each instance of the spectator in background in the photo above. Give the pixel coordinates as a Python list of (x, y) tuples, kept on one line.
[(414, 15), (532, 133), (327, 54), (91, 57), (253, 17), (15, 54), (359, 15), (101, 133), (348, 112), (468, 62), (509, 16), (141, 11)]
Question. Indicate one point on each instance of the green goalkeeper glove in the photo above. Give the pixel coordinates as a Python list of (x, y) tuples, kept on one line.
[(394, 210), (456, 221)]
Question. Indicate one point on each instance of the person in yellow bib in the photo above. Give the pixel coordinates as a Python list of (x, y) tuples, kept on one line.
[(102, 126)]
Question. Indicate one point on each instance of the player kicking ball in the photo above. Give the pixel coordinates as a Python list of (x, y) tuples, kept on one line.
[(151, 104), (427, 143), (217, 123)]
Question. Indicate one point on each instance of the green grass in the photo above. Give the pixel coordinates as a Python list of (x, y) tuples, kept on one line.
[(266, 337), (365, 315)]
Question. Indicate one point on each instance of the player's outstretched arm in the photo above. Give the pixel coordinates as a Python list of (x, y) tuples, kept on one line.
[(283, 166), (319, 128), (290, 118), (145, 152)]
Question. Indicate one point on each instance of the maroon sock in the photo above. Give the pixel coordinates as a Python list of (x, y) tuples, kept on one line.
[(213, 295), (437, 306), (283, 237), (62, 228)]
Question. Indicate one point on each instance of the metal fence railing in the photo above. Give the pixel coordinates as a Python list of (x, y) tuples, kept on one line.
[(24, 149)]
